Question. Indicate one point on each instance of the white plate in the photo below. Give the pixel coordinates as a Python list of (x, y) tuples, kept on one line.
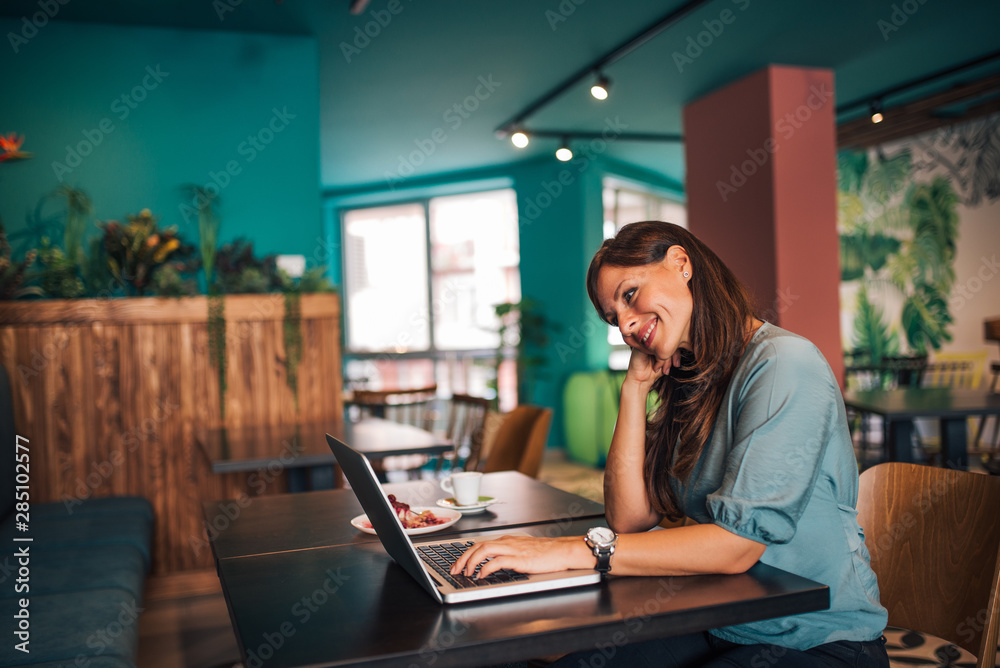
[(451, 503), (361, 522)]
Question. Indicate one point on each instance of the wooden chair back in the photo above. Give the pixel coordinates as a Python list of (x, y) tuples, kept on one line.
[(411, 406), (520, 441), (958, 370), (935, 547), (991, 329), (466, 419)]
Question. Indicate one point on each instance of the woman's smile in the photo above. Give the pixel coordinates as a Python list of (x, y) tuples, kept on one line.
[(646, 334)]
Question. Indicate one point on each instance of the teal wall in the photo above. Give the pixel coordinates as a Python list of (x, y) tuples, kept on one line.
[(560, 231), (212, 92)]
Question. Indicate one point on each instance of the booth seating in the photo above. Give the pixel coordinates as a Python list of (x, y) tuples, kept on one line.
[(75, 589)]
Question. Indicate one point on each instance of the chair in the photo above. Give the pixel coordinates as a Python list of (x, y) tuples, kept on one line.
[(934, 544), (519, 442), (415, 406), (466, 421), (957, 370), (861, 372), (991, 332)]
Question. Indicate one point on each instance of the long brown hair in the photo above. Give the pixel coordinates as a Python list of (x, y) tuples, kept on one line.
[(690, 396)]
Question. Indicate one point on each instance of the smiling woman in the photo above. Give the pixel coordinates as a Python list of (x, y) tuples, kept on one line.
[(749, 441)]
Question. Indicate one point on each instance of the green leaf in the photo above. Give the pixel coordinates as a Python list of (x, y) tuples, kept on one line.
[(887, 178), (925, 319), (871, 334), (852, 257), (851, 167), (850, 212)]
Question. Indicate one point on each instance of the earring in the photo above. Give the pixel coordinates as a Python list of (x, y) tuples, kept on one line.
[(687, 274)]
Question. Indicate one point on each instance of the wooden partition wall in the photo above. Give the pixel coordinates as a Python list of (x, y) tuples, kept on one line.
[(110, 392)]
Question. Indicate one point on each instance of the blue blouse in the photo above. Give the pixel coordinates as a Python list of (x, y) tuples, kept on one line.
[(779, 468)]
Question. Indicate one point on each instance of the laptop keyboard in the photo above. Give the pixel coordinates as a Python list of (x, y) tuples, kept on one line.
[(440, 557)]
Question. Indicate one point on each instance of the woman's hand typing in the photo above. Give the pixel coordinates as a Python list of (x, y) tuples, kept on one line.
[(525, 554)]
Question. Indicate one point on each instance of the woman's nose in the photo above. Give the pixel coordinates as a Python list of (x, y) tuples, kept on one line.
[(627, 324)]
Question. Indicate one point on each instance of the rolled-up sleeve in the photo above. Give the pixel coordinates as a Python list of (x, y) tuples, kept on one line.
[(781, 426)]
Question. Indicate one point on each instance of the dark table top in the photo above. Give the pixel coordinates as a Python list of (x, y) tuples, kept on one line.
[(352, 605), (304, 445), (917, 402), (258, 525)]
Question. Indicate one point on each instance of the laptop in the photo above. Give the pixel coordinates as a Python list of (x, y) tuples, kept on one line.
[(429, 563)]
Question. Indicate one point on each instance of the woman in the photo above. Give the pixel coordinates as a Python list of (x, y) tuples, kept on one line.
[(750, 440)]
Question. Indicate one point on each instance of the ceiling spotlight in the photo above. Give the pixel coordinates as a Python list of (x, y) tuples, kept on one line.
[(519, 139), (600, 88), (564, 154), (875, 107)]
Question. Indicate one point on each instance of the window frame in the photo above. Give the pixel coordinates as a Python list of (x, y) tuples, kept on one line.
[(433, 351)]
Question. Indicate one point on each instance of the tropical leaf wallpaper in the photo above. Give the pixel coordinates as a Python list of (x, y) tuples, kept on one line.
[(899, 224)]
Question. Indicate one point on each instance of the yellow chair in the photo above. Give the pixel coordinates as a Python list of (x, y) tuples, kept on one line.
[(991, 332), (935, 548), (519, 441), (958, 370)]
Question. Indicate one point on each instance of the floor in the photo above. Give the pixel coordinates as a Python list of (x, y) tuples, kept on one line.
[(187, 625)]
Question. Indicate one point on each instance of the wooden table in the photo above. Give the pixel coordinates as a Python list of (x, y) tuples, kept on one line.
[(899, 408), (296, 602), (301, 449)]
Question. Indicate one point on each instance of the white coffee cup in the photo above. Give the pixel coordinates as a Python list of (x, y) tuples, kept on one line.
[(464, 486)]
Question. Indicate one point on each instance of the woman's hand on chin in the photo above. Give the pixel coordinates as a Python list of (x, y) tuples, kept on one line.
[(644, 369)]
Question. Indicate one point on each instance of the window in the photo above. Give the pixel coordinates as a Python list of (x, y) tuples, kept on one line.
[(624, 203), (420, 283)]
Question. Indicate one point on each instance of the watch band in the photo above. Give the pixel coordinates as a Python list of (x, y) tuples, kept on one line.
[(604, 558)]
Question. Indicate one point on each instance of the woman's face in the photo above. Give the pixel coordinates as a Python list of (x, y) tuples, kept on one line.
[(650, 304)]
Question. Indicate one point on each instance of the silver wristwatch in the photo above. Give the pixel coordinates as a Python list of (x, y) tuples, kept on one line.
[(602, 541)]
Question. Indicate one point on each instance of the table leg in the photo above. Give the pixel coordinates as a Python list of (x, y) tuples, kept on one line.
[(900, 440), (954, 448)]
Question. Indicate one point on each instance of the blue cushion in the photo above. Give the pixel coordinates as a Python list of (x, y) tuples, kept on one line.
[(78, 569), (68, 532), (65, 627), (108, 505)]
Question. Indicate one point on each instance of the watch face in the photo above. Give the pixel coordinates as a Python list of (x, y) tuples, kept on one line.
[(601, 535)]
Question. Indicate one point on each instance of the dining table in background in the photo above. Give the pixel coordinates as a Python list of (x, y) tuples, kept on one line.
[(304, 588), (301, 451), (950, 406)]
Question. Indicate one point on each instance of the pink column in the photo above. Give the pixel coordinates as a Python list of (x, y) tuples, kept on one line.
[(762, 193)]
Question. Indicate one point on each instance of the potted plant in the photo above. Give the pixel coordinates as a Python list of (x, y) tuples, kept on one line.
[(136, 250)]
